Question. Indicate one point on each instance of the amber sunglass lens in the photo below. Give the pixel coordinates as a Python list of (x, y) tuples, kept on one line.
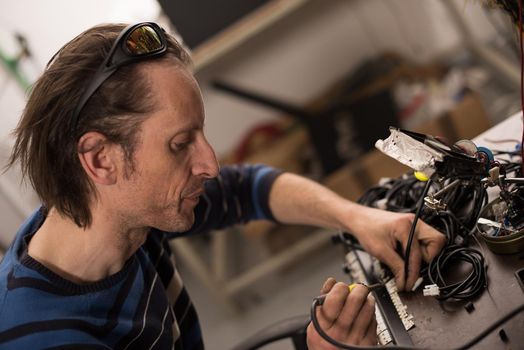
[(143, 40)]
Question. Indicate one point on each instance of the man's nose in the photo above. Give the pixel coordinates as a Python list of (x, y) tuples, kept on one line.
[(206, 164)]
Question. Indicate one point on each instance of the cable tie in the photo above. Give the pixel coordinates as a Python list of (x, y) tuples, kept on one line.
[(417, 284)]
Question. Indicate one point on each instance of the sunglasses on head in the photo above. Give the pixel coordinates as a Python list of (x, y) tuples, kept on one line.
[(135, 43)]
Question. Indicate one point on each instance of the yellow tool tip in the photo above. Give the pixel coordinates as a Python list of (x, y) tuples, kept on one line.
[(370, 287), (421, 176)]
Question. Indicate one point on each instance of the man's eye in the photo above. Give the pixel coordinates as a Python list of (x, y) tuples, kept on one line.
[(179, 146)]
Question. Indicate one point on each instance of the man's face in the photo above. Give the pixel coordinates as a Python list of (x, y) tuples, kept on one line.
[(172, 158)]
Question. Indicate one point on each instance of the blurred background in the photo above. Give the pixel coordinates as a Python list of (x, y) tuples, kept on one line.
[(304, 85)]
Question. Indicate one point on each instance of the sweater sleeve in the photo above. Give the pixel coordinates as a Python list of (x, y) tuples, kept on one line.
[(239, 193)]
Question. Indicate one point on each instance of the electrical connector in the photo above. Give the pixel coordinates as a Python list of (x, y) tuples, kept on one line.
[(431, 290)]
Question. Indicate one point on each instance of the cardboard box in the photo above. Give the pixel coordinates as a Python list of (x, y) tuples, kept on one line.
[(467, 120)]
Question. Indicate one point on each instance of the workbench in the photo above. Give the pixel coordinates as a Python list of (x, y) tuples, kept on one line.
[(448, 325)]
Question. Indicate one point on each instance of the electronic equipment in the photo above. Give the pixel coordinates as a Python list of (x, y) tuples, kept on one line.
[(430, 155), (464, 165), (393, 318), (453, 184)]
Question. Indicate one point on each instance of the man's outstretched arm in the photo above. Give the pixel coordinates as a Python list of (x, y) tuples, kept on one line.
[(296, 200)]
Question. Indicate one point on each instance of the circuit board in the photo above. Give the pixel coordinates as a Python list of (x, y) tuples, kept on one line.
[(393, 318)]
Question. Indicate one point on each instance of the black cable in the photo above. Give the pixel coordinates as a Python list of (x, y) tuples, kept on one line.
[(403, 195), (319, 301), (471, 285), (445, 223), (348, 240), (464, 204), (413, 226), (491, 328), (458, 225), (479, 203), (400, 194), (372, 195)]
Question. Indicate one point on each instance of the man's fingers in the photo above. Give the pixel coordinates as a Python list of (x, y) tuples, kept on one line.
[(361, 321), (389, 257), (370, 338), (431, 240), (352, 309), (414, 262), (431, 248), (333, 304), (348, 317), (415, 255), (330, 282)]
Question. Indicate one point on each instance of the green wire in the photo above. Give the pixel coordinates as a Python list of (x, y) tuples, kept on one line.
[(12, 67)]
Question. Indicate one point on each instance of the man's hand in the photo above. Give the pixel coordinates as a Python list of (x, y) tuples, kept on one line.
[(297, 200), (379, 231), (346, 317)]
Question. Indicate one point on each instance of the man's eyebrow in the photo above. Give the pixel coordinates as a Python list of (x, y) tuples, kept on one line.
[(189, 128)]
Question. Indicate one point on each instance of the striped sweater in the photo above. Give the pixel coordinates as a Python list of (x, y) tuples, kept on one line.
[(143, 306)]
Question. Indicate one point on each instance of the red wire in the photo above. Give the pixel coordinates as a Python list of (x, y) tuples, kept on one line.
[(521, 84)]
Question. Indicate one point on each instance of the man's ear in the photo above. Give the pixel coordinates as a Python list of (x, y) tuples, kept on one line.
[(98, 157)]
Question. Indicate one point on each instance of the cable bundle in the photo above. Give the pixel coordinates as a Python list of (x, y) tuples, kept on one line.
[(463, 204), (470, 286)]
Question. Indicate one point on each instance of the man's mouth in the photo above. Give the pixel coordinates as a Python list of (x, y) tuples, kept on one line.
[(194, 196)]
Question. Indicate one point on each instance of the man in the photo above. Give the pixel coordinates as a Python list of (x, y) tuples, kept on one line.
[(112, 141)]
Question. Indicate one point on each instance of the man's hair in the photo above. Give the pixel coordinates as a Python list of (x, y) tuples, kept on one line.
[(44, 145)]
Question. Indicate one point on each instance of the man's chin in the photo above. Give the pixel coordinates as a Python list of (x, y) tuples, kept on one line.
[(180, 223), (175, 218)]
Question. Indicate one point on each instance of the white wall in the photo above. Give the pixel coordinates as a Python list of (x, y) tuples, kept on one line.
[(47, 25), (294, 60)]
